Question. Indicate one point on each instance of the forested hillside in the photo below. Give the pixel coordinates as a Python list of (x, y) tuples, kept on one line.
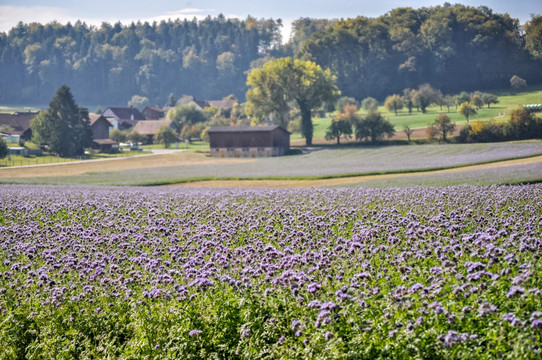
[(111, 63), (452, 47)]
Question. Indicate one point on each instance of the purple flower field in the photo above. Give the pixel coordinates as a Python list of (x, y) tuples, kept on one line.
[(128, 273)]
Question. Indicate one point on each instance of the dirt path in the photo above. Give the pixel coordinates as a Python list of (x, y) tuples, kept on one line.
[(347, 180)]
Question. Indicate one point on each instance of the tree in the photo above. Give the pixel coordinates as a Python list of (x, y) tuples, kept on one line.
[(517, 83), (466, 109), (64, 126), (4, 150), (171, 101), (443, 125), (136, 138), (523, 124), (408, 131), (166, 136), (424, 96), (138, 101), (118, 135), (490, 99), (374, 127), (283, 81), (394, 103), (186, 114), (477, 101), (369, 104), (343, 101), (408, 95), (533, 36), (341, 124)]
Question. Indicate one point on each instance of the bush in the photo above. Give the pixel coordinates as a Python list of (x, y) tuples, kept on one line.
[(3, 148)]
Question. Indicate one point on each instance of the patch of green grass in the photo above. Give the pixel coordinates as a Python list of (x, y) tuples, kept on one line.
[(8, 109)]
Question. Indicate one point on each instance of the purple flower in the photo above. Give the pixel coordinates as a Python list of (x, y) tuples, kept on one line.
[(194, 332)]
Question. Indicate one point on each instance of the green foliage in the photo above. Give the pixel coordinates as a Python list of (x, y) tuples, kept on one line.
[(110, 62), (453, 47), (373, 126), (343, 101), (341, 125), (136, 138), (4, 151), (425, 96), (443, 126), (64, 127), (166, 136), (283, 81), (466, 109), (394, 103), (119, 136), (138, 101), (533, 35), (186, 114), (369, 104)]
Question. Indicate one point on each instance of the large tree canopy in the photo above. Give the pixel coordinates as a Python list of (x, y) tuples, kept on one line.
[(64, 126), (284, 81)]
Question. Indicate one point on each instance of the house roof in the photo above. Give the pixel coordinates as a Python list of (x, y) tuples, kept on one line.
[(151, 127), (234, 129), (95, 117), (223, 104), (126, 113), (19, 122)]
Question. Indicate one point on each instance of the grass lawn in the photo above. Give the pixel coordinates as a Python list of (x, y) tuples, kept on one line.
[(508, 101)]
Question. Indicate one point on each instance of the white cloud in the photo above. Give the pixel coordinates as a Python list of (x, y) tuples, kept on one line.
[(11, 15)]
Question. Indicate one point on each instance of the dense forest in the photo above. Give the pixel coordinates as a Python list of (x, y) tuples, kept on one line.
[(451, 47)]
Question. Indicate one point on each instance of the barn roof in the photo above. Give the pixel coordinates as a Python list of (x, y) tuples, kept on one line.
[(95, 117), (223, 104), (236, 129), (151, 127), (19, 122)]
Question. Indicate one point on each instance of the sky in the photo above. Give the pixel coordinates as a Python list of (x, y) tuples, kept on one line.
[(94, 12)]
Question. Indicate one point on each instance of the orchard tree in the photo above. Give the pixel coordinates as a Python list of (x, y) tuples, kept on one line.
[(408, 131), (283, 81), (373, 126), (424, 96), (466, 109), (341, 124), (118, 135), (185, 114), (64, 126), (477, 101), (490, 99), (370, 104), (394, 103), (443, 126), (343, 101)]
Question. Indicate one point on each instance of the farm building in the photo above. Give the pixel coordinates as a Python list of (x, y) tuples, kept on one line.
[(123, 118), (17, 126), (155, 112), (249, 141), (100, 126), (149, 128)]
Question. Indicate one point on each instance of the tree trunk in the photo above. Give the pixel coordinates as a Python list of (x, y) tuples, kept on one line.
[(306, 123)]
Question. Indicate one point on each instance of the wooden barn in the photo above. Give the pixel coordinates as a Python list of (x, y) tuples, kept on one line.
[(249, 141)]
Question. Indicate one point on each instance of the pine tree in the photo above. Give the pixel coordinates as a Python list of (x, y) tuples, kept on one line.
[(64, 126)]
